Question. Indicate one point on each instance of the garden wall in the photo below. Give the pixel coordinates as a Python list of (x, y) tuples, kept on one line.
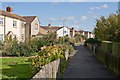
[(48, 71), (109, 54), (51, 70)]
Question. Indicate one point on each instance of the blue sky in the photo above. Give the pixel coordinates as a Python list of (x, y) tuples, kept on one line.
[(81, 15)]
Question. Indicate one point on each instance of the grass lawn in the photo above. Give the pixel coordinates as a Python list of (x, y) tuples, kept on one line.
[(16, 67)]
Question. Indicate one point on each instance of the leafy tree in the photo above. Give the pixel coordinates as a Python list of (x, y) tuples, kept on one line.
[(49, 39), (108, 28), (78, 38)]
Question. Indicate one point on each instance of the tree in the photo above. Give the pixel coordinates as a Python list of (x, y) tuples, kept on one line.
[(78, 38), (108, 28)]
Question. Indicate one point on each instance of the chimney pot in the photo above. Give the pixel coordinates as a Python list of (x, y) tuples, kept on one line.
[(9, 9), (49, 25), (72, 28)]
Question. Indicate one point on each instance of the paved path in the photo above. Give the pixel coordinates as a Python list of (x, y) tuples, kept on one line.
[(85, 65)]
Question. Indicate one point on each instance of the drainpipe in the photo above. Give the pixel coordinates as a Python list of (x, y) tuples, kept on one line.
[(4, 26), (4, 32)]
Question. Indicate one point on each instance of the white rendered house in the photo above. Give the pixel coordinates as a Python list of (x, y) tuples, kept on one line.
[(12, 24), (60, 31), (63, 31), (21, 27)]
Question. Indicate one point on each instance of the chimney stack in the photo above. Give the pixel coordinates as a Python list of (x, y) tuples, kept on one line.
[(49, 25), (9, 9), (72, 28)]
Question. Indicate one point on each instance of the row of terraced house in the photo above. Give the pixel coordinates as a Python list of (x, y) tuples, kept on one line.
[(26, 27)]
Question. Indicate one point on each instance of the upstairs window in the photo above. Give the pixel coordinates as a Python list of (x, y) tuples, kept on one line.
[(14, 24), (65, 31), (36, 26), (1, 21), (1, 37), (22, 36)]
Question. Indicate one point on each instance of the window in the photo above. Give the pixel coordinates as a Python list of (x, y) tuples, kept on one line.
[(14, 24), (1, 37), (36, 26), (22, 36), (1, 21), (65, 31)]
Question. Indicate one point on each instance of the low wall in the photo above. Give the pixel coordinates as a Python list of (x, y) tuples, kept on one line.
[(49, 70)]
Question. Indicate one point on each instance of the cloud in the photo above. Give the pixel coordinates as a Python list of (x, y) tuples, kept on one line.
[(52, 19), (92, 15), (69, 18), (97, 7), (83, 18), (91, 8), (104, 6)]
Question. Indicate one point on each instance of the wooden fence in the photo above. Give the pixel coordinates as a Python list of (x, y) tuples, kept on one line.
[(109, 54)]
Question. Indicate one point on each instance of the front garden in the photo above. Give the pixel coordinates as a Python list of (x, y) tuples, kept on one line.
[(16, 67), (24, 60)]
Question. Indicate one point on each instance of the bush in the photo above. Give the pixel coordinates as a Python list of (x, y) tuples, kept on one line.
[(14, 48), (92, 41), (47, 55), (78, 38), (57, 51), (71, 50), (49, 39), (1, 45), (36, 44)]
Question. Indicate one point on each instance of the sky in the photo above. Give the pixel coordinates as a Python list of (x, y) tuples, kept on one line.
[(80, 15)]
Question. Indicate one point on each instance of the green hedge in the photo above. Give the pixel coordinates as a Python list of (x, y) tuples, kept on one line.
[(92, 41)]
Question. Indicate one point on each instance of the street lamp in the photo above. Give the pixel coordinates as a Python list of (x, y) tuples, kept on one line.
[(63, 28)]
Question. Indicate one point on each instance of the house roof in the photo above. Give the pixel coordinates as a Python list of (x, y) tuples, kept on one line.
[(39, 33), (81, 31), (52, 28), (72, 29), (4, 13), (29, 19)]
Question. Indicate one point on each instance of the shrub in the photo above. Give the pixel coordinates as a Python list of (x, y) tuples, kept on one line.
[(52, 50), (49, 39), (92, 41), (72, 40), (77, 38), (14, 48), (71, 50), (47, 55), (10, 46), (35, 44), (1, 45)]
